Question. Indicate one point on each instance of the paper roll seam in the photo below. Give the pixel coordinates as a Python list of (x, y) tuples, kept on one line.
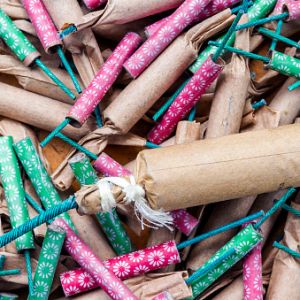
[(29, 59)]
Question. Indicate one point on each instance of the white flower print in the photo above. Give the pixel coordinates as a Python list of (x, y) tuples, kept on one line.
[(166, 34), (185, 97), (35, 7), (86, 259), (121, 51), (73, 244), (16, 213), (243, 247), (182, 20), (85, 280), (174, 259), (49, 38), (214, 274), (11, 40), (151, 48), (45, 270), (141, 269), (12, 192), (71, 290), (40, 289), (116, 290), (246, 271), (67, 277), (247, 292), (50, 250), (107, 161), (196, 6), (257, 282), (136, 62), (3, 25), (121, 269), (8, 173), (136, 256), (156, 258), (169, 246), (6, 154), (42, 23)]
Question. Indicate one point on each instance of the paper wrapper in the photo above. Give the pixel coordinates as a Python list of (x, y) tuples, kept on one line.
[(31, 109), (38, 176), (83, 46), (145, 90), (228, 103), (163, 296), (114, 12), (47, 263), (243, 242), (103, 80), (285, 265), (109, 221), (34, 80), (14, 191), (292, 7), (183, 17), (13, 8), (43, 24), (84, 256), (124, 267), (92, 4)]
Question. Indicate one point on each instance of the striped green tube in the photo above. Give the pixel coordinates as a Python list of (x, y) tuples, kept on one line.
[(39, 177), (47, 263), (14, 191), (110, 222), (258, 10), (243, 243)]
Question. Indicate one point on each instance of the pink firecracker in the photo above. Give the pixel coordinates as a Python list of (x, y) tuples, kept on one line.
[(93, 4), (103, 80), (293, 7), (185, 101), (163, 296)]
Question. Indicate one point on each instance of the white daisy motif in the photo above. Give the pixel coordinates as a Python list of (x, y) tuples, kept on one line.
[(151, 48), (257, 282), (3, 25), (42, 23), (136, 61), (156, 258), (40, 289), (16, 213), (136, 256), (12, 192), (73, 244), (182, 20), (166, 34), (174, 259), (116, 290), (67, 277), (35, 7), (141, 269), (85, 280), (121, 269), (121, 51), (169, 246), (50, 250), (214, 274), (49, 38), (86, 259), (71, 290), (196, 7), (45, 270), (8, 173), (11, 40), (247, 292)]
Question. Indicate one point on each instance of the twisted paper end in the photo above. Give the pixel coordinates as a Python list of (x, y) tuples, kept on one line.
[(107, 192)]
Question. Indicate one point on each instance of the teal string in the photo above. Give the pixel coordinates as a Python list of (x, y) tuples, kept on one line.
[(278, 30), (88, 153), (242, 52), (278, 37), (54, 132), (98, 117), (291, 210), (67, 31), (33, 203), (262, 21), (2, 260), (68, 68), (47, 71), (10, 272), (286, 249), (192, 114), (236, 9), (221, 229), (259, 104), (152, 145), (294, 86), (167, 104), (203, 271), (47, 215), (275, 207), (29, 271), (230, 31)]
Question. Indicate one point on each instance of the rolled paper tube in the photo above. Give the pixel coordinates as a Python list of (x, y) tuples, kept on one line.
[(252, 274), (109, 221), (163, 296), (14, 191), (184, 16), (6, 296), (83, 255), (42, 23), (47, 263), (243, 243), (103, 80), (293, 8), (125, 266), (92, 4), (152, 28), (16, 40), (39, 176), (184, 102), (285, 64)]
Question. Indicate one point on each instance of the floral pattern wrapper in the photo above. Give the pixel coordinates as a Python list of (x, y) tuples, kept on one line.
[(293, 7), (14, 191), (183, 221), (84, 256), (16, 40), (184, 16), (93, 4), (47, 263), (163, 296), (125, 266), (42, 23), (103, 80), (109, 221), (252, 274), (243, 242), (5, 296), (185, 101), (259, 9), (39, 176), (285, 64)]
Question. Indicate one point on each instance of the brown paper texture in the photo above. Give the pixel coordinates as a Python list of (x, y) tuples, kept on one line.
[(139, 96), (13, 8), (30, 108), (83, 45)]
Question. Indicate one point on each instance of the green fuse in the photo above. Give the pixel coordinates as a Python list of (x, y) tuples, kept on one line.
[(243, 243), (14, 191), (39, 177), (6, 296), (111, 224), (47, 263)]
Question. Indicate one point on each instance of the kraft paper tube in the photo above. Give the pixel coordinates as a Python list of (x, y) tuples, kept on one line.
[(33, 109), (228, 167), (145, 90), (113, 13), (83, 46), (13, 8), (34, 80), (228, 103), (14, 191)]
